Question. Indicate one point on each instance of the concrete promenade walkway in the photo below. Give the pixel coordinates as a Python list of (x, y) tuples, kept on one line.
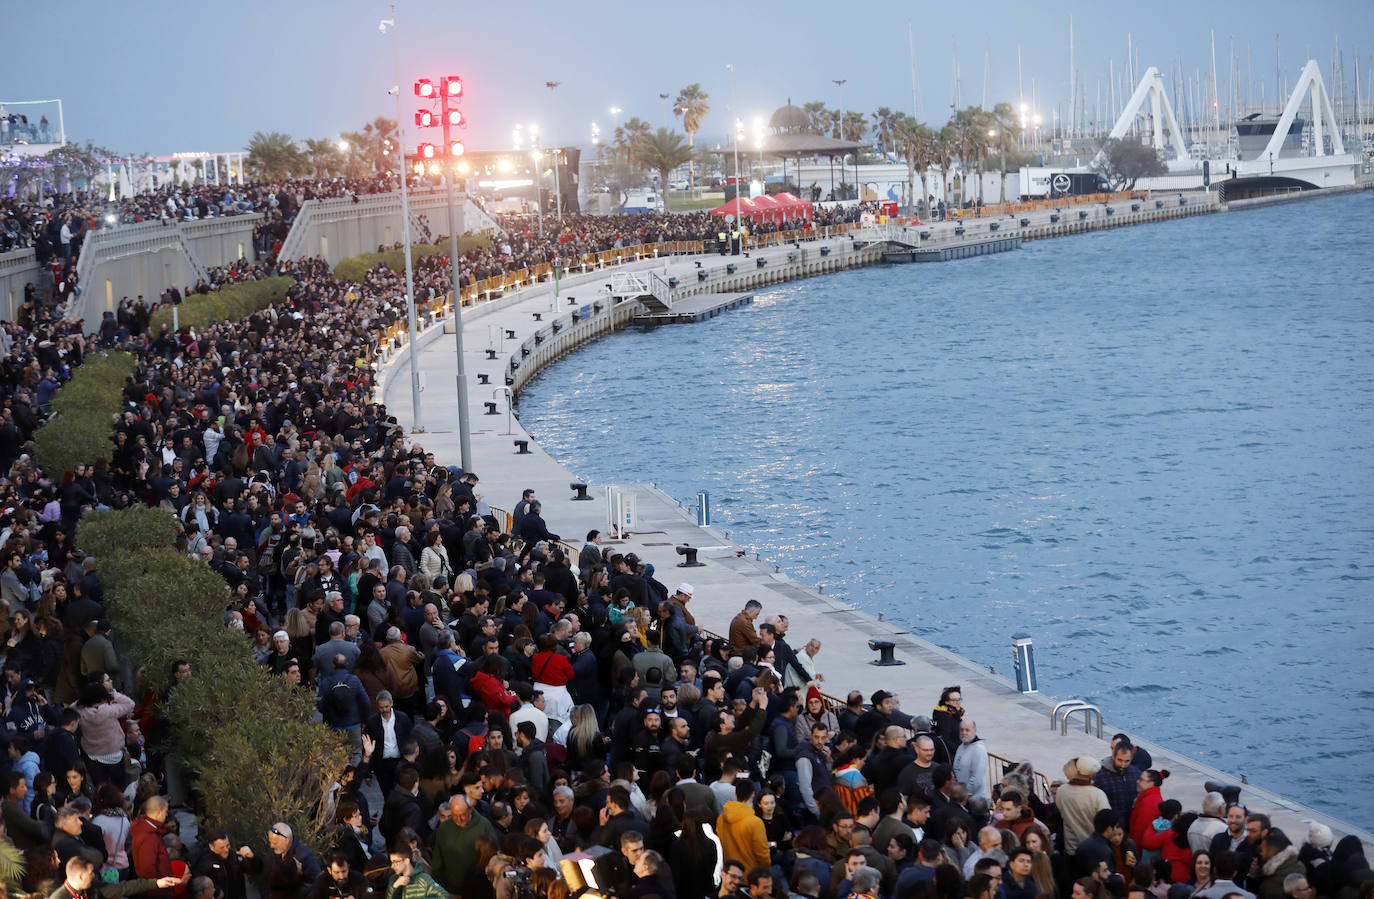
[(1014, 725)]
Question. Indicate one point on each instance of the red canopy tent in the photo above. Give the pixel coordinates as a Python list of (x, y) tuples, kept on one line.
[(795, 206), (741, 208), (770, 210)]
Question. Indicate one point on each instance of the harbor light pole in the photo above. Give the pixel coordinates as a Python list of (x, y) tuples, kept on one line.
[(738, 207), (840, 83), (449, 93), (417, 424), (557, 151)]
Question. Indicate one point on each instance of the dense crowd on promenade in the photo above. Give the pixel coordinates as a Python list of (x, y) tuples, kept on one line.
[(509, 697), (55, 225)]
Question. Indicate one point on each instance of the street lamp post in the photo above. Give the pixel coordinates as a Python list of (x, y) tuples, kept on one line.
[(840, 83), (450, 176), (449, 94), (537, 158), (738, 207), (758, 143), (557, 151), (417, 424), (1002, 167)]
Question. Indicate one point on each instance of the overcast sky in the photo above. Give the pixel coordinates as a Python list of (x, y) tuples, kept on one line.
[(156, 76)]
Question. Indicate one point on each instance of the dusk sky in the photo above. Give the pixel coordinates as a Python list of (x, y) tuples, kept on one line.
[(158, 77)]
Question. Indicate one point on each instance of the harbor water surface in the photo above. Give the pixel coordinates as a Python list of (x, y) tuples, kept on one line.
[(1149, 448)]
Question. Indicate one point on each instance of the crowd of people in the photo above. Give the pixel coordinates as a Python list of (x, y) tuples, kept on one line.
[(17, 127), (511, 699), (39, 223)]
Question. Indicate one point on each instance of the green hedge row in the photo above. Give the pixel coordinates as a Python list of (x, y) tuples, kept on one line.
[(355, 268), (79, 430), (230, 303), (258, 755)]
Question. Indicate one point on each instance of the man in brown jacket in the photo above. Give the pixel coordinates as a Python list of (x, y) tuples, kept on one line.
[(402, 659), (742, 631)]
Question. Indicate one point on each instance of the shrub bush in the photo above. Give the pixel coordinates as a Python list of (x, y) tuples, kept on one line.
[(355, 268), (259, 755), (230, 303), (80, 429)]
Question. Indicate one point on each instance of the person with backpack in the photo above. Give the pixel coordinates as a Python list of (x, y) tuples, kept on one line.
[(344, 705)]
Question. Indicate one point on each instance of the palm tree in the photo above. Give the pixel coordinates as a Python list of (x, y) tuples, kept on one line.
[(830, 122), (692, 104), (355, 163), (917, 145), (324, 156), (884, 120), (853, 126), (377, 133), (971, 127), (272, 155), (631, 133), (1008, 128), (946, 148), (662, 151), (817, 113)]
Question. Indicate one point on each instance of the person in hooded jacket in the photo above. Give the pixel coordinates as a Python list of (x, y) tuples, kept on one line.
[(944, 720), (487, 686), (1278, 859), (742, 834)]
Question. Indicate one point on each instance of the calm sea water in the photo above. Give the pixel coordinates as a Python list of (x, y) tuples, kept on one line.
[(1148, 447)]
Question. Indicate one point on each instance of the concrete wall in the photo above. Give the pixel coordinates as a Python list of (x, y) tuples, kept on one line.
[(128, 261), (17, 268), (339, 228), (220, 241), (147, 258)]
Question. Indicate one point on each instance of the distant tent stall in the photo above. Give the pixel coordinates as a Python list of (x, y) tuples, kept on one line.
[(741, 208), (795, 206), (768, 209)]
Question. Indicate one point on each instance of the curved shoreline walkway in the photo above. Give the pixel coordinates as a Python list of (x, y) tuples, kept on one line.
[(1015, 725)]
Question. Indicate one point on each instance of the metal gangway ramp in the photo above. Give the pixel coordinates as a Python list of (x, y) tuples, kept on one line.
[(648, 287)]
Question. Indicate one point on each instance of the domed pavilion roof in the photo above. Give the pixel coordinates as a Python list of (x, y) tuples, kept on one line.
[(789, 119)]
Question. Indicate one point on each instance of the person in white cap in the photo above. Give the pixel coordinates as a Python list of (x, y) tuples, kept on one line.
[(680, 598), (1078, 801), (680, 621)]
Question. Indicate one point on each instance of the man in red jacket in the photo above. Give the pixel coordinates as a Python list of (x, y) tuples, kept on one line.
[(150, 859)]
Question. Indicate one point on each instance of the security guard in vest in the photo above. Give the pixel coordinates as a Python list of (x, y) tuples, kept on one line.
[(722, 242), (734, 241)]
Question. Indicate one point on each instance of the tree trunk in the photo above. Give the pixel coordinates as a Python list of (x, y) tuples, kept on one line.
[(691, 164)]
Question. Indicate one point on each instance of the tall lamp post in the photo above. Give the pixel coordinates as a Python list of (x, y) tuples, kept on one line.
[(537, 158), (449, 93), (557, 151), (738, 206), (758, 144), (1002, 166), (416, 423), (840, 83)]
